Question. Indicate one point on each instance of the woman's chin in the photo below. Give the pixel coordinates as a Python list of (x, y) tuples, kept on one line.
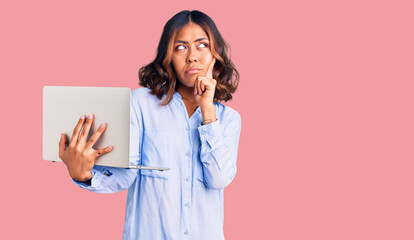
[(188, 83)]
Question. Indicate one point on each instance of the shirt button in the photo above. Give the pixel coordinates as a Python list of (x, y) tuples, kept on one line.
[(187, 179), (187, 204), (188, 154), (186, 232), (186, 129), (203, 132)]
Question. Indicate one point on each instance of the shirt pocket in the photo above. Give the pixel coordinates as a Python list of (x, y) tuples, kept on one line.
[(156, 152)]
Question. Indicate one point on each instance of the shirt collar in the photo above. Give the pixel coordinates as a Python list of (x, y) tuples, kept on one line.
[(176, 94)]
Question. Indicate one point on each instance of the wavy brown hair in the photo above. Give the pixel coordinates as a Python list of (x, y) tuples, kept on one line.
[(160, 76)]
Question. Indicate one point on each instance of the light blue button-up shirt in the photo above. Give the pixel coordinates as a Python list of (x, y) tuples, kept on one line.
[(185, 202)]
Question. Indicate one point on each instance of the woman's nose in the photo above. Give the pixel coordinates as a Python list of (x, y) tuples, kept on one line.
[(191, 56), (191, 59)]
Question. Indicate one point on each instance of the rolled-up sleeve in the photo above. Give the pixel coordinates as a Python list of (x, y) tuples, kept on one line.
[(109, 179), (218, 151)]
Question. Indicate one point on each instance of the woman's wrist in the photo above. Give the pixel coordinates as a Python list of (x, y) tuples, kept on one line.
[(207, 121), (84, 177), (208, 114)]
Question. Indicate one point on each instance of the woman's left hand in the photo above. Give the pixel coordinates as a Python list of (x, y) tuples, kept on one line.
[(204, 87)]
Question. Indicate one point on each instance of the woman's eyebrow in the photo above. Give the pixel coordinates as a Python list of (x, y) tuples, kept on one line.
[(197, 40)]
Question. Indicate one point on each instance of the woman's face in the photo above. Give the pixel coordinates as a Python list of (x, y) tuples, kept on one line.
[(191, 55)]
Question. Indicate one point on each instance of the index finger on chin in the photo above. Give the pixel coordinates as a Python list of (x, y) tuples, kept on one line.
[(210, 68)]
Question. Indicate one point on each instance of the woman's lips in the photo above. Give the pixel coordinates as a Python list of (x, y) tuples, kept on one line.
[(192, 71)]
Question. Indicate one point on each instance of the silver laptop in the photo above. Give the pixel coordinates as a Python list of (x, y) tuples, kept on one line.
[(62, 108)]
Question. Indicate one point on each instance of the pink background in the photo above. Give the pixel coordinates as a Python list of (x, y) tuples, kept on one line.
[(326, 99)]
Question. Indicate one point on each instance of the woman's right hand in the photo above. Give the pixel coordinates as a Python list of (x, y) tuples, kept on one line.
[(79, 156)]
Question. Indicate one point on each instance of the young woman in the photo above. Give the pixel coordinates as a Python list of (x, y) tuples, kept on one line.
[(176, 122)]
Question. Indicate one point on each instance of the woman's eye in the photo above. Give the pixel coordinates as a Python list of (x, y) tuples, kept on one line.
[(203, 45), (180, 47)]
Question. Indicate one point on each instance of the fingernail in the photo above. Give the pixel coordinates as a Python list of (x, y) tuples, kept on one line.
[(83, 117), (90, 116), (110, 148), (102, 125)]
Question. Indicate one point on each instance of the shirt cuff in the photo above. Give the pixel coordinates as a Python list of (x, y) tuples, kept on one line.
[(95, 180), (210, 132)]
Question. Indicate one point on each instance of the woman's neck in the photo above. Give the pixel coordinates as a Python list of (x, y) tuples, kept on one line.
[(187, 93)]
